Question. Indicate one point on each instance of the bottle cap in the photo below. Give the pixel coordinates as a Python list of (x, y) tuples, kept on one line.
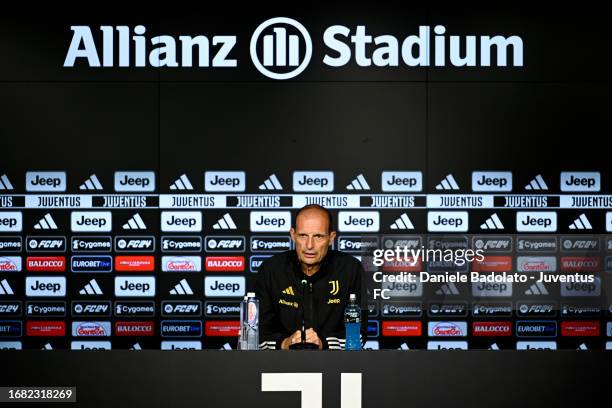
[(352, 296), (250, 295)]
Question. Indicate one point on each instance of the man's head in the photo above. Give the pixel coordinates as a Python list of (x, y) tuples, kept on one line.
[(312, 234)]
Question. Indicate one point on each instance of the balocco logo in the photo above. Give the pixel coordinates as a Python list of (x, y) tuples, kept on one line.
[(281, 56)]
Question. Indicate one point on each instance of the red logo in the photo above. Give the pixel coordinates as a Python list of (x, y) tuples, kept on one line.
[(400, 328), (46, 328), (580, 329), (493, 264), (580, 264), (224, 328), (408, 265), (225, 263), (135, 263), (46, 263), (134, 328), (492, 329), (9, 265)]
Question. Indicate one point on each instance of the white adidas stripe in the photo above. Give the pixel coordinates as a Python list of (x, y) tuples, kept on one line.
[(225, 222), (537, 183), (135, 222), (537, 288), (46, 222), (581, 223), (5, 288), (271, 183), (182, 183), (92, 183), (448, 183), (403, 222), (359, 183), (5, 183), (493, 222), (92, 288), (447, 289), (182, 288)]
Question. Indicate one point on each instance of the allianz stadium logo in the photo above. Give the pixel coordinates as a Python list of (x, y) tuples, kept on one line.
[(281, 48)]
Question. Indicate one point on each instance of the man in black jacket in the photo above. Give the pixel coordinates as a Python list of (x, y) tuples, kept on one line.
[(313, 280)]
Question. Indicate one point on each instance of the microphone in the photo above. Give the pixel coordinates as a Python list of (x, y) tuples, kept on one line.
[(303, 329), (304, 345)]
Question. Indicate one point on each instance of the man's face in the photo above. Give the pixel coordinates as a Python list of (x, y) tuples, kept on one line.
[(311, 236)]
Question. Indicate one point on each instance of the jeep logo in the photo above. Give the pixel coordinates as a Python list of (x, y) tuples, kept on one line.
[(313, 181), (362, 221), (270, 221), (10, 221), (224, 181), (47, 286), (401, 181), (447, 221), (93, 221), (491, 181), (135, 181), (175, 221), (536, 221), (580, 181), (46, 181)]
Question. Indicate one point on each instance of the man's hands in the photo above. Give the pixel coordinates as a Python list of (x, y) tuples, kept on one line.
[(296, 337)]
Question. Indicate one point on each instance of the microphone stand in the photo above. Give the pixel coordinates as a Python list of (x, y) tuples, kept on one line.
[(303, 345)]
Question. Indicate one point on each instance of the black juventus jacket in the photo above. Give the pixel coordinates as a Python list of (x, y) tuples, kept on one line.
[(279, 290)]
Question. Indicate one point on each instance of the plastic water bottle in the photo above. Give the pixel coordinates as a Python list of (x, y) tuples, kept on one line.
[(352, 324), (249, 323)]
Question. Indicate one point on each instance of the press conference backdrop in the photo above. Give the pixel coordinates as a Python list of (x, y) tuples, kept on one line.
[(138, 201)]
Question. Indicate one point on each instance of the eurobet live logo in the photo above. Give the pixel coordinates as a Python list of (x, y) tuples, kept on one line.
[(282, 48)]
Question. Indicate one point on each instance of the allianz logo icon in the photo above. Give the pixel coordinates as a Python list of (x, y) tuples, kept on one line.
[(491, 181), (48, 181), (281, 48), (358, 221), (313, 181), (135, 181), (537, 221), (270, 221), (224, 181), (402, 181), (580, 181), (181, 221), (91, 221)]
